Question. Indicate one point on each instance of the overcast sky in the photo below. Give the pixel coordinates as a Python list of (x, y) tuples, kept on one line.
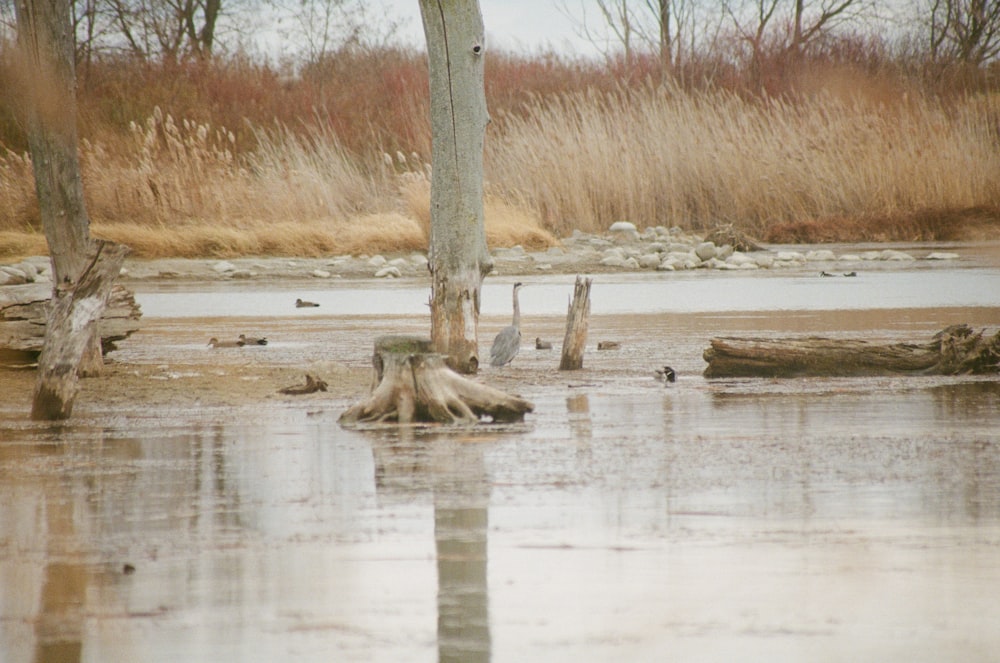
[(523, 25)]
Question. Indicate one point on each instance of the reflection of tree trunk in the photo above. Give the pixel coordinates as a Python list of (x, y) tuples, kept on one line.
[(59, 624), (461, 523)]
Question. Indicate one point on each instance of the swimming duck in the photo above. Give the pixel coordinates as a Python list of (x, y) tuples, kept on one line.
[(608, 345), (252, 340), (542, 345), (216, 343), (304, 304), (666, 374)]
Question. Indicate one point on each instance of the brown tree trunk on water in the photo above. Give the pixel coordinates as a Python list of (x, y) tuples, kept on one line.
[(577, 321), (956, 350), (46, 67), (459, 259), (412, 384)]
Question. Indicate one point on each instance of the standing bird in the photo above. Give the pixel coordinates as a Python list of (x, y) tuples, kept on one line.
[(508, 341)]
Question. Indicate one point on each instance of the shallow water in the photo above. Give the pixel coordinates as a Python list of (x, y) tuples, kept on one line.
[(779, 520)]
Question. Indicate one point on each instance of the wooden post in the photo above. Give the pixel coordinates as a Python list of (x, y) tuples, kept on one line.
[(577, 319), (76, 308), (458, 256)]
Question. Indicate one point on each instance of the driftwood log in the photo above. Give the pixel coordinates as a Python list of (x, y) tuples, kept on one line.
[(955, 350), (413, 384), (577, 321), (25, 308)]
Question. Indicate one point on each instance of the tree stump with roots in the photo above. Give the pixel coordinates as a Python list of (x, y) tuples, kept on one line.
[(412, 384)]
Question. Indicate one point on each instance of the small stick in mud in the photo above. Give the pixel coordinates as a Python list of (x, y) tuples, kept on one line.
[(312, 385)]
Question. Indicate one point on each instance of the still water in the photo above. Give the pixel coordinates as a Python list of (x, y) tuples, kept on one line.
[(731, 520)]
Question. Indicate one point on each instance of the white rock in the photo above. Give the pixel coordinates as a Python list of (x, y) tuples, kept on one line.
[(871, 255), (631, 263), (401, 263), (616, 252), (739, 259), (388, 272), (892, 254), (789, 256), (320, 273), (765, 260), (849, 257), (418, 259), (622, 226), (705, 251), (649, 260), (615, 261), (941, 255), (224, 266), (376, 261), (724, 251), (820, 255), (667, 265)]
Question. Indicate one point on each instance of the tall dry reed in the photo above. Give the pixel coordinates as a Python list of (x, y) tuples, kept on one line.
[(662, 156)]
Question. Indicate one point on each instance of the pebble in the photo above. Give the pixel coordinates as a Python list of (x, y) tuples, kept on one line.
[(388, 272), (941, 255)]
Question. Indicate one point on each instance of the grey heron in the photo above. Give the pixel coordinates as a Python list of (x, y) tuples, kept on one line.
[(508, 341)]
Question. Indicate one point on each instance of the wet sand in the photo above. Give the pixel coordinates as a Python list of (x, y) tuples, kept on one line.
[(189, 512)]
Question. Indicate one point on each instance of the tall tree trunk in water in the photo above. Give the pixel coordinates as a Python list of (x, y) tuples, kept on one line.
[(46, 50), (459, 258)]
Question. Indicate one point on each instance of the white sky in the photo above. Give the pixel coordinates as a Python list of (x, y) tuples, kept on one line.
[(529, 26)]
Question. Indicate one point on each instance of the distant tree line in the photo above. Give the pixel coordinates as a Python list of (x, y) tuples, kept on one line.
[(942, 31)]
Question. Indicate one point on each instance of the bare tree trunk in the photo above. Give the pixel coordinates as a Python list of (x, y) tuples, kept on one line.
[(459, 259), (72, 324), (577, 321), (46, 48)]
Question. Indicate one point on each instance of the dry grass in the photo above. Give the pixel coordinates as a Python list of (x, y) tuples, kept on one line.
[(663, 156), (832, 164)]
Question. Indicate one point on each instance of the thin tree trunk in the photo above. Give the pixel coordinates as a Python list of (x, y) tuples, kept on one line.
[(577, 321), (459, 259)]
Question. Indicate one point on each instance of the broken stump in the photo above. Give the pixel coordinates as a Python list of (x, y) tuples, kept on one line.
[(577, 320), (955, 350), (413, 384)]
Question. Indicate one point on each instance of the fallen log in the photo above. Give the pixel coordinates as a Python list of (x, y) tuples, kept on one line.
[(25, 308), (955, 350), (413, 384)]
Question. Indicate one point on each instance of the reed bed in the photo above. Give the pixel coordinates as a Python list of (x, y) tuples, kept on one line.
[(662, 156), (653, 155)]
